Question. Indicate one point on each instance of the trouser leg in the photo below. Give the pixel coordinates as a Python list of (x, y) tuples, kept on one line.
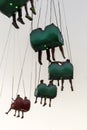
[(32, 7), (70, 80), (40, 57), (27, 14), (20, 16), (53, 53), (50, 102), (14, 21), (48, 55), (62, 51), (62, 87)]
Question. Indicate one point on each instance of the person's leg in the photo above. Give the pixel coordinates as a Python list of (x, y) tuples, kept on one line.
[(35, 100), (62, 87), (20, 16), (18, 114), (32, 7), (41, 101), (53, 53), (15, 113), (14, 21), (58, 82), (8, 111), (70, 80), (27, 14), (40, 57), (22, 114), (50, 102), (44, 102), (48, 55), (62, 51)]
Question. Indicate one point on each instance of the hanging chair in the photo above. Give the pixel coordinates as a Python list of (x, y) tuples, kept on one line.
[(26, 105), (51, 91), (67, 70), (54, 71), (41, 91), (45, 39), (64, 71), (44, 91), (8, 7)]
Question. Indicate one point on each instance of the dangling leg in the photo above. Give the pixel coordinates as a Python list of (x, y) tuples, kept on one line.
[(50, 102), (35, 100), (15, 113), (58, 82), (8, 111), (27, 14), (41, 101), (53, 53), (62, 51), (44, 102), (40, 57), (18, 114), (48, 55), (22, 114), (20, 16), (70, 80), (14, 21), (32, 7), (62, 82)]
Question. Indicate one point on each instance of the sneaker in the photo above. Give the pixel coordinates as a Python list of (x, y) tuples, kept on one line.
[(40, 62), (18, 116), (44, 104), (62, 88), (6, 112), (15, 25), (28, 17), (35, 102), (21, 20), (33, 10)]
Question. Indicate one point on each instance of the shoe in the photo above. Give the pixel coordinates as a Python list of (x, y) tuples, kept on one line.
[(62, 88), (49, 105), (22, 117), (72, 89), (40, 62), (53, 58), (6, 112), (18, 116), (44, 104), (35, 102), (21, 20), (49, 60), (28, 17), (15, 25), (33, 10)]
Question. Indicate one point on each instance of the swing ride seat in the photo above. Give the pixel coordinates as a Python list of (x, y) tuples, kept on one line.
[(8, 7), (57, 72), (45, 39), (41, 91), (26, 105), (51, 91), (54, 70), (17, 104), (45, 91)]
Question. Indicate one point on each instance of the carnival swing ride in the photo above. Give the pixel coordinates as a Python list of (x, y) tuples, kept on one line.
[(47, 35)]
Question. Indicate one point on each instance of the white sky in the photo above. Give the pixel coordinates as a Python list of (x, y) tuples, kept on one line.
[(69, 109)]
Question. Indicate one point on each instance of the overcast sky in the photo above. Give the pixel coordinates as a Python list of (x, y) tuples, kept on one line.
[(69, 109)]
